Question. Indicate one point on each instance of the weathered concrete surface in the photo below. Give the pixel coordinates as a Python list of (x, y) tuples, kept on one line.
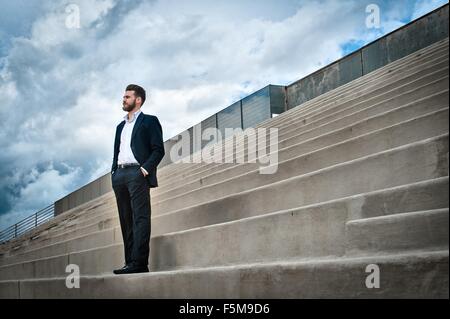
[(407, 164), (426, 230), (403, 276), (337, 115), (299, 233), (329, 149)]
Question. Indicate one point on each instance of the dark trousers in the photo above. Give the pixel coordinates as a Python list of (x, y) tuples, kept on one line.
[(133, 202)]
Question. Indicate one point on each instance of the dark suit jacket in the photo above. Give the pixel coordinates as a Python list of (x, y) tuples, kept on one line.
[(146, 144)]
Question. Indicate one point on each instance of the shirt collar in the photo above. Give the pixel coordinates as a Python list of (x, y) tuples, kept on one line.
[(134, 117)]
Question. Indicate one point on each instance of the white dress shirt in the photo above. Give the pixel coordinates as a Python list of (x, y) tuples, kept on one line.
[(126, 155)]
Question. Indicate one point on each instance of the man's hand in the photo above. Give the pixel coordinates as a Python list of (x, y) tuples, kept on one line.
[(144, 171)]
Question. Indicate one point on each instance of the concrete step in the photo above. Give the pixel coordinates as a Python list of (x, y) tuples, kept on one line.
[(310, 143), (422, 230), (436, 146), (417, 275), (407, 62), (344, 115), (302, 233), (90, 221), (108, 221), (284, 152), (55, 223), (411, 163), (424, 196), (416, 89), (213, 167), (420, 196), (36, 261), (82, 225), (316, 230), (365, 97), (377, 86), (332, 140), (45, 267), (290, 114), (348, 90), (204, 193), (305, 232)]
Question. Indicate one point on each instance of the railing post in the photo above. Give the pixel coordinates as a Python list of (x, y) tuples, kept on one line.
[(35, 220), (15, 230)]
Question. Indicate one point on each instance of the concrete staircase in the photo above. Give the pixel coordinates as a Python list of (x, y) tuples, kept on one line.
[(362, 179)]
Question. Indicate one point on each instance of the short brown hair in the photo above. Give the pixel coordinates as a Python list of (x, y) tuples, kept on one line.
[(138, 91)]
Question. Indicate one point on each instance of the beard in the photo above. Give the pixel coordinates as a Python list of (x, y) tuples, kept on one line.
[(128, 107)]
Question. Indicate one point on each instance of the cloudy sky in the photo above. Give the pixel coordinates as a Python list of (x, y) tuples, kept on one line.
[(61, 86)]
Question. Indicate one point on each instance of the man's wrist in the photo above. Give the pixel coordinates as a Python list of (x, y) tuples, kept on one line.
[(144, 171)]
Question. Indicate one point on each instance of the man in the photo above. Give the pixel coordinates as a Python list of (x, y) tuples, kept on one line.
[(138, 149)]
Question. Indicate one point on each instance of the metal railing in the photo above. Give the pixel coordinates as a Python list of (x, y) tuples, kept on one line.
[(28, 223)]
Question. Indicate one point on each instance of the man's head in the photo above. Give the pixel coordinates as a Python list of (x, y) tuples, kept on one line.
[(133, 98)]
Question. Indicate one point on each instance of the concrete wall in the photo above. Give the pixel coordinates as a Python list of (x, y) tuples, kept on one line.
[(395, 45), (84, 194)]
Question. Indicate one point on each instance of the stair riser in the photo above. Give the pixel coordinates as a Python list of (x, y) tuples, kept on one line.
[(422, 230), (103, 238), (332, 138), (56, 223), (419, 162), (399, 278), (420, 196), (42, 268), (346, 116), (208, 193), (87, 225), (312, 144), (408, 64), (364, 93), (318, 108), (406, 165), (314, 232), (324, 113), (111, 221), (302, 233)]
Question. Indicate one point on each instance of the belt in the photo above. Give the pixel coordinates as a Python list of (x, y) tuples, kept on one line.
[(128, 165)]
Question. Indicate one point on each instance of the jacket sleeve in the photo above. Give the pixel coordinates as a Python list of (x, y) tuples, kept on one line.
[(116, 152), (156, 145)]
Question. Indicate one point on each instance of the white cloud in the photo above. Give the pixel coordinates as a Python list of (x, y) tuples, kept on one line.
[(39, 189), (46, 186)]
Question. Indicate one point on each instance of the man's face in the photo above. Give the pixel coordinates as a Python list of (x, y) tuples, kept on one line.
[(129, 101)]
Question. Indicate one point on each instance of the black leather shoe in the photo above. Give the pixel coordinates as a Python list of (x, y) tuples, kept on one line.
[(130, 269), (119, 271)]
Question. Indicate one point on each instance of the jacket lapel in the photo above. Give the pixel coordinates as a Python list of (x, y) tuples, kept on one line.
[(136, 125), (119, 131)]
